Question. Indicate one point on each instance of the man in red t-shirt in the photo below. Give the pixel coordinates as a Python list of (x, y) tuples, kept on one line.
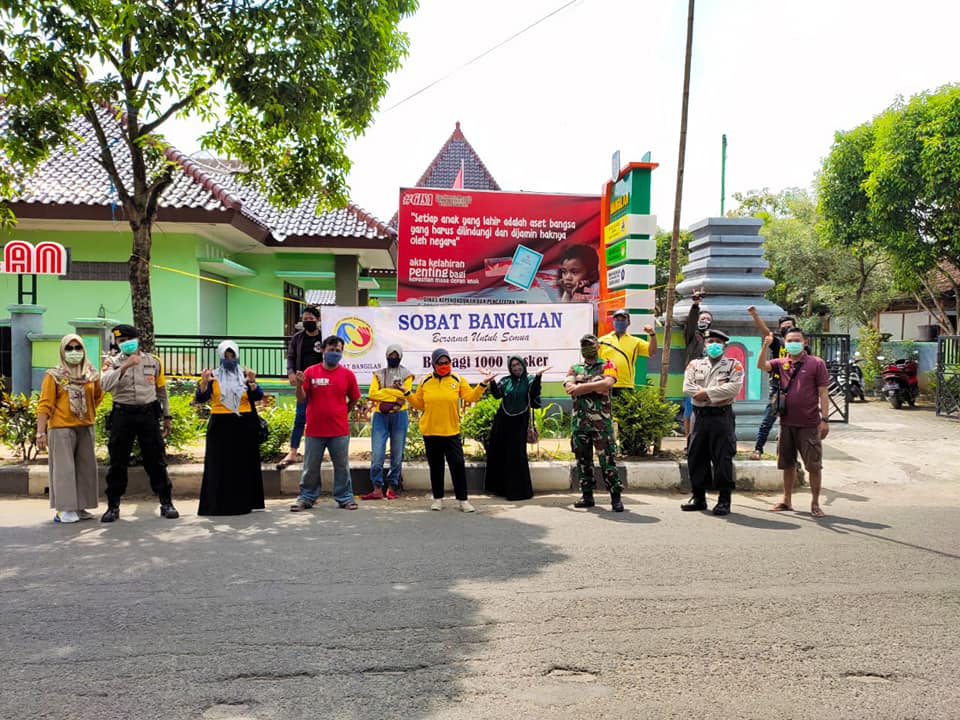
[(330, 392), (803, 380)]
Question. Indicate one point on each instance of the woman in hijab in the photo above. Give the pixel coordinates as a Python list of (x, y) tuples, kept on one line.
[(508, 472), (232, 482), (390, 420), (66, 412)]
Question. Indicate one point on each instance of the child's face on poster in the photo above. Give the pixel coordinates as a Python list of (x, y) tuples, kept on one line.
[(573, 275)]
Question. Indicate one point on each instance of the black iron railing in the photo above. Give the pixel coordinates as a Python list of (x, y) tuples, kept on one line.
[(948, 375), (834, 349), (188, 355)]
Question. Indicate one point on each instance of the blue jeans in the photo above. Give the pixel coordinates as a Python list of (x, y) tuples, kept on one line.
[(299, 423), (339, 448), (393, 426), (766, 425)]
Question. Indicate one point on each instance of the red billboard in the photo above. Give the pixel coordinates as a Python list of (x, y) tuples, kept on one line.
[(482, 246)]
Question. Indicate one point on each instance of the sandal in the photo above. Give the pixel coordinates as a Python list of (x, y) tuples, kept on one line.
[(756, 455), (351, 505), (816, 512), (781, 507)]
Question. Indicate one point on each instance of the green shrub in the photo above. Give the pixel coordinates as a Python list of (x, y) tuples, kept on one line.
[(414, 449), (643, 418), (478, 420), (18, 424), (868, 345), (280, 419), (187, 426)]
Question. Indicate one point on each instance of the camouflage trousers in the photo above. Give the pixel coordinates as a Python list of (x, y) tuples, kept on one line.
[(583, 441)]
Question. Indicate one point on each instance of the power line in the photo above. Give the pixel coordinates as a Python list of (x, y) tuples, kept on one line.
[(483, 54)]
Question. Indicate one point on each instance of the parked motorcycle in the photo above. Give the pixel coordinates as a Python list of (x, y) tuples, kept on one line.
[(846, 380), (900, 382)]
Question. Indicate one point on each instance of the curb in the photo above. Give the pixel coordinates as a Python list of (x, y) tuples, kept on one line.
[(753, 475)]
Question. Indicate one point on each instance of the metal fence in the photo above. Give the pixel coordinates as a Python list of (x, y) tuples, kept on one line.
[(188, 355), (6, 356), (834, 349), (948, 375)]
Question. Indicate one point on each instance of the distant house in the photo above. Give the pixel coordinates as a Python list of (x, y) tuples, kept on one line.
[(225, 262), (907, 319)]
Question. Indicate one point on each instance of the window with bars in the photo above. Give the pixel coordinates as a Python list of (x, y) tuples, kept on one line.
[(112, 271)]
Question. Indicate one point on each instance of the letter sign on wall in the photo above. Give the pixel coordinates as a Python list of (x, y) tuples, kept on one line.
[(46, 258)]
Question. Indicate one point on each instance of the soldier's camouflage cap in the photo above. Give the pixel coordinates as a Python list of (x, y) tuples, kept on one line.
[(589, 339)]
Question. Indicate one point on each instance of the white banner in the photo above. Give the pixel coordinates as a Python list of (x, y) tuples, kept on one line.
[(478, 338)]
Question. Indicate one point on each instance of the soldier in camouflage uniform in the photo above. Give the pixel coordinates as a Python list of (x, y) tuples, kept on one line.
[(589, 383)]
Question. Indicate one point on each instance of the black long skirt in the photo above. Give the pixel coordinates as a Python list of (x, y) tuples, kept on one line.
[(508, 472), (232, 482)]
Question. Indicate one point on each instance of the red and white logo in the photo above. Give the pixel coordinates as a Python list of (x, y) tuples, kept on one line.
[(45, 258)]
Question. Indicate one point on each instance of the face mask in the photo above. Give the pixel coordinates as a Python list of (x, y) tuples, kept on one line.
[(73, 357), (714, 350), (442, 370), (784, 331), (703, 324), (332, 357), (794, 348), (129, 347), (589, 353), (620, 326), (393, 362), (309, 325), (229, 363)]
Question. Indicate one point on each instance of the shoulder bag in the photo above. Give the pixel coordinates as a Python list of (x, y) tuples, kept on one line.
[(780, 399), (263, 429)]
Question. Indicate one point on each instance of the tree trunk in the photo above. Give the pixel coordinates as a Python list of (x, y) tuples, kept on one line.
[(140, 282)]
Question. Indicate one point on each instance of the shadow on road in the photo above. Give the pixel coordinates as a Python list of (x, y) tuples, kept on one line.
[(322, 614)]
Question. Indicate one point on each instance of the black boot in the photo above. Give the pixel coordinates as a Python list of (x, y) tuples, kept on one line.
[(697, 501), (615, 502), (586, 501), (723, 503), (167, 509), (112, 513)]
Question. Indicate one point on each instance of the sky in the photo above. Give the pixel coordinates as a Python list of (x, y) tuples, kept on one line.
[(546, 111)]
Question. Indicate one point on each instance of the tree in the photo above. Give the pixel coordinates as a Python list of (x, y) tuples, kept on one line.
[(662, 262), (286, 83), (811, 276)]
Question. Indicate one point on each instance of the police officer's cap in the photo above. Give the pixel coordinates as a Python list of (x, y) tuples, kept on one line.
[(622, 312), (717, 334), (127, 331), (589, 339)]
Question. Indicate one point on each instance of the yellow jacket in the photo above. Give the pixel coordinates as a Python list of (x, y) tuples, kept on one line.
[(623, 352), (55, 404), (439, 399), (388, 394)]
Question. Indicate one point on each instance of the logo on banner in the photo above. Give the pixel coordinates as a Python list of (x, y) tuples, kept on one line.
[(357, 336), (46, 258)]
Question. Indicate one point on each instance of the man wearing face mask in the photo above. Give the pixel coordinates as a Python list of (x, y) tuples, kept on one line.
[(135, 380), (330, 392), (623, 349), (777, 350), (693, 332), (712, 383), (390, 421), (589, 383), (303, 350), (804, 380)]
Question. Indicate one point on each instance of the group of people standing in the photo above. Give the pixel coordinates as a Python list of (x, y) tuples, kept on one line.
[(327, 392)]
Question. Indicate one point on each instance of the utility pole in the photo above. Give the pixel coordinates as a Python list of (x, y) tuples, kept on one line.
[(675, 239), (723, 172)]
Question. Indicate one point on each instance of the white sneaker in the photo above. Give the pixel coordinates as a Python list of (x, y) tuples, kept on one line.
[(465, 506), (437, 504), (84, 515), (66, 516)]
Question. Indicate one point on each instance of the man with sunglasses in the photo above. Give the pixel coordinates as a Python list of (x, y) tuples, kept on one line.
[(136, 381)]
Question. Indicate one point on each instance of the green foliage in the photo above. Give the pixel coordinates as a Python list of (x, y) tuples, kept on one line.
[(478, 420), (662, 262), (187, 426), (414, 449), (549, 422), (643, 418), (18, 424), (280, 419), (868, 345)]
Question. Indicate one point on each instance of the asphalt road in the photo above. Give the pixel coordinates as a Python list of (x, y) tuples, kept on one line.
[(530, 610)]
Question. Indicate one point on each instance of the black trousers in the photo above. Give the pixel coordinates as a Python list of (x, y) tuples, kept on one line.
[(438, 448), (713, 445), (140, 423)]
